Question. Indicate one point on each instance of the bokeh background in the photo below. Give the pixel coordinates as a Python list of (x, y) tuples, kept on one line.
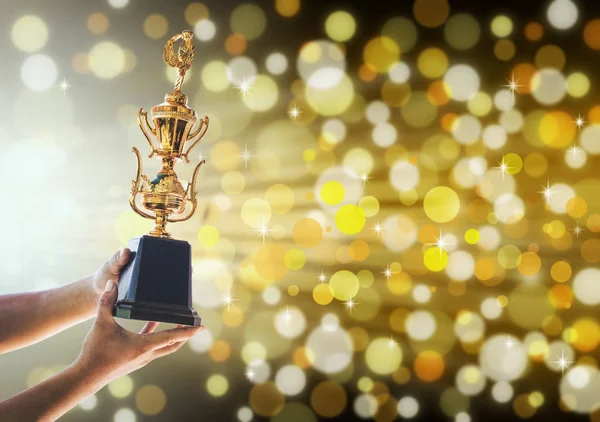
[(399, 213)]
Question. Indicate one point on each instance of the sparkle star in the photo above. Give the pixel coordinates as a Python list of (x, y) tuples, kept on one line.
[(350, 304), (322, 277), (440, 243), (562, 362), (246, 155), (377, 228), (228, 299), (263, 231), (579, 121), (64, 86), (574, 150), (503, 167), (512, 85), (243, 86), (364, 177), (294, 112), (547, 192), (250, 374), (577, 229), (509, 343), (391, 342), (387, 272), (287, 317)]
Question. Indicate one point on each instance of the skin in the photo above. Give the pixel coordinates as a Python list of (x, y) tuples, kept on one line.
[(108, 351)]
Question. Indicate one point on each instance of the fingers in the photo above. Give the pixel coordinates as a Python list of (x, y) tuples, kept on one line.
[(149, 327), (112, 267), (167, 350), (106, 303), (170, 337)]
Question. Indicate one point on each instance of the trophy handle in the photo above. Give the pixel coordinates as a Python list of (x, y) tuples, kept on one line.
[(135, 188), (190, 194), (187, 217), (144, 114), (200, 132)]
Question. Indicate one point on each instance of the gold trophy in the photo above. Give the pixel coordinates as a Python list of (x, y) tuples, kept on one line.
[(156, 284)]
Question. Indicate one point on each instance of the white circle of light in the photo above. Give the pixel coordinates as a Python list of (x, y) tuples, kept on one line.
[(125, 415), (420, 325), (462, 81), (562, 14), (290, 380), (39, 72), (331, 351), (408, 407), (586, 286), (500, 362), (205, 29), (404, 175), (276, 63)]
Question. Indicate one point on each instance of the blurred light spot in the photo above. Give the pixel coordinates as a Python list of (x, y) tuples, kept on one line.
[(501, 26), (462, 81), (562, 14), (156, 26), (462, 31), (150, 400), (290, 380), (39, 72), (97, 23), (106, 60), (408, 407), (263, 94), (431, 13), (125, 415), (121, 387), (89, 403), (399, 72), (248, 20), (205, 30), (276, 63), (195, 12), (118, 4), (287, 8), (340, 26), (217, 385), (29, 33), (381, 53)]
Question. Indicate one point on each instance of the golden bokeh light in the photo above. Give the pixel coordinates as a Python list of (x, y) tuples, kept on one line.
[(403, 198)]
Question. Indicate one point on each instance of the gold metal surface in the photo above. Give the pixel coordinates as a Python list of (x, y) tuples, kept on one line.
[(163, 199)]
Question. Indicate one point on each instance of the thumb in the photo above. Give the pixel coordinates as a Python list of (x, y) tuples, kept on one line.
[(112, 267), (106, 303)]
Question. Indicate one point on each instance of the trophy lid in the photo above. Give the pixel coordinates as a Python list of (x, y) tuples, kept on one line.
[(174, 106)]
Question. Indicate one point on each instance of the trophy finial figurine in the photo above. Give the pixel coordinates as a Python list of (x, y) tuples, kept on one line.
[(156, 284)]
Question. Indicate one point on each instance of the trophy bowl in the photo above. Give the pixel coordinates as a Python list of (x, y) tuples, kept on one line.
[(169, 202), (172, 126)]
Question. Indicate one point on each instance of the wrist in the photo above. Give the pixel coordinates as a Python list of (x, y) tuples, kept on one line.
[(90, 293), (92, 375)]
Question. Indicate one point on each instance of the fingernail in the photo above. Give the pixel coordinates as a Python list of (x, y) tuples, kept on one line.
[(109, 286), (121, 253)]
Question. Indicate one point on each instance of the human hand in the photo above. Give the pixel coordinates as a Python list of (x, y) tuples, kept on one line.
[(110, 270), (109, 351)]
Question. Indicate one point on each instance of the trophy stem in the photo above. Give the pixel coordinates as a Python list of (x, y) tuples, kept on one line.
[(159, 228)]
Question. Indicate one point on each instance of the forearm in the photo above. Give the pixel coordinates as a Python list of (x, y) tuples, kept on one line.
[(30, 317), (50, 399)]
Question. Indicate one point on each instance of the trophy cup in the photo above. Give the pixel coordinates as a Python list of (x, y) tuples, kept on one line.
[(156, 283)]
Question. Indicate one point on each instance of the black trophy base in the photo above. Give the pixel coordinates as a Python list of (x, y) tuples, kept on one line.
[(156, 283), (157, 312)]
